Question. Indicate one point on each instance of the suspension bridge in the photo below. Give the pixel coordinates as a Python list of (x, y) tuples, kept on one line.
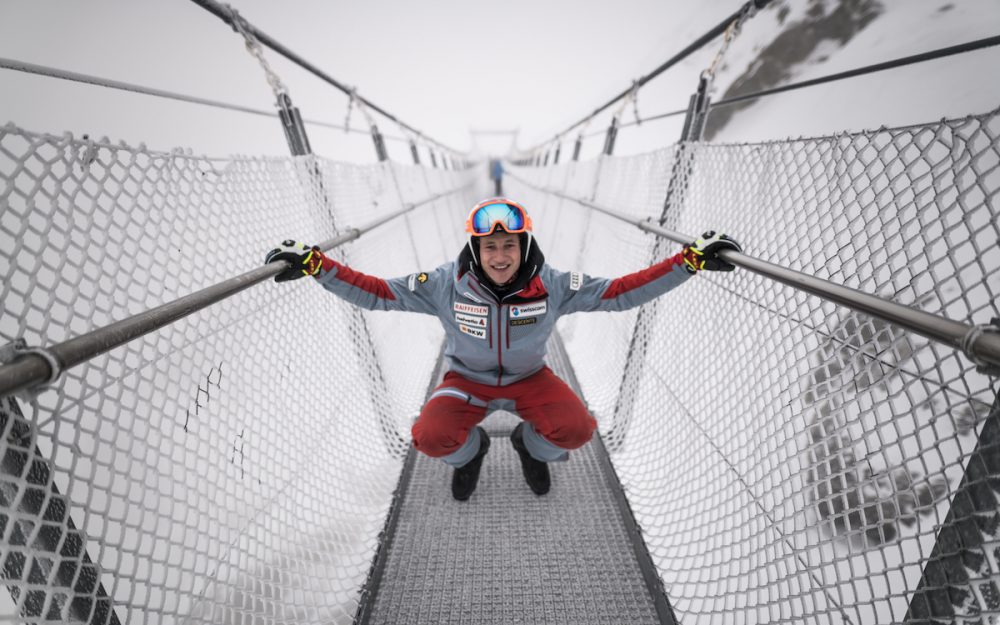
[(191, 443)]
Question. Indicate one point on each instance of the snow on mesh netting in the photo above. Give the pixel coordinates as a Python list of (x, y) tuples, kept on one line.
[(788, 460), (236, 466)]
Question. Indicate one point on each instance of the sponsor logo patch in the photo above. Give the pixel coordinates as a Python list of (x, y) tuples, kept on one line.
[(421, 277), (479, 333), (471, 309), (471, 320), (528, 310), (523, 322), (575, 281)]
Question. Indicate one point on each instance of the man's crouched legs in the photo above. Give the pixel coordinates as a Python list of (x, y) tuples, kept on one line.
[(555, 421)]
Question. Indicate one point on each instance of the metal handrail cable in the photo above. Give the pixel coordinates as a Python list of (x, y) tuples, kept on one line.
[(969, 46), (955, 334), (32, 369), (222, 12), (694, 46), (54, 72)]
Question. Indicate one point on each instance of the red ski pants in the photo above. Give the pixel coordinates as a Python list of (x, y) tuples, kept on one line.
[(543, 400)]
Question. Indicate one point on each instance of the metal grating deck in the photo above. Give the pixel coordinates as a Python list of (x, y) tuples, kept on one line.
[(506, 555)]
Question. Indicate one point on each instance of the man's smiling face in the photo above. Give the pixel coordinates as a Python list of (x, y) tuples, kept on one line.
[(500, 255)]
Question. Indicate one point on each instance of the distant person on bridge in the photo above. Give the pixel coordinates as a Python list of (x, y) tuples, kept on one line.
[(498, 303), (496, 173)]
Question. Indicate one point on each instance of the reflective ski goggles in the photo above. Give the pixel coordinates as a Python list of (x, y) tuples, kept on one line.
[(485, 217)]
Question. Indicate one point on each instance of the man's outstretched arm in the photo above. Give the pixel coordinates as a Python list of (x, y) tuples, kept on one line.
[(585, 293), (418, 292)]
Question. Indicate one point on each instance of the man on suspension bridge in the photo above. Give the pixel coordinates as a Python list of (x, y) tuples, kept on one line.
[(498, 303)]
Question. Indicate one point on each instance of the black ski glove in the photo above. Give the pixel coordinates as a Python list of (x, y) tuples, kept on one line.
[(303, 260), (704, 252)]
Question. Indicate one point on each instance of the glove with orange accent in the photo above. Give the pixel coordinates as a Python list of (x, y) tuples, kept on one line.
[(303, 260), (704, 253)]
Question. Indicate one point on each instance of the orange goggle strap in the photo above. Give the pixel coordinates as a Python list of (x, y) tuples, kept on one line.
[(524, 214)]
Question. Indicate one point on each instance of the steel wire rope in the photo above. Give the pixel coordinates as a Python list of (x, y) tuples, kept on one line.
[(226, 14), (868, 69), (718, 29), (654, 118), (29, 370), (829, 137), (638, 122), (109, 83), (971, 46), (66, 138), (986, 345), (872, 358), (746, 487), (857, 350)]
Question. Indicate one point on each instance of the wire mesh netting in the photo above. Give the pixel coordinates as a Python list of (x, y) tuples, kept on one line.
[(787, 459), (236, 466)]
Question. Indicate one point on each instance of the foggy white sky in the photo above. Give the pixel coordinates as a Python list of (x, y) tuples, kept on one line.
[(444, 66)]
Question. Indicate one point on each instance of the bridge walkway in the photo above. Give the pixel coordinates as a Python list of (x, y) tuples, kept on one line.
[(508, 556)]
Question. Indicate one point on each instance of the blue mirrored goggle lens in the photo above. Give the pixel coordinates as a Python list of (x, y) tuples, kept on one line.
[(509, 217)]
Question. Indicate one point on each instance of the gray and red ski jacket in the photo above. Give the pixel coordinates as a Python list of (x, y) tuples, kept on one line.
[(495, 339)]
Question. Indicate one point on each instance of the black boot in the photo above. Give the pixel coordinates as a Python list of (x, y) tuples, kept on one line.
[(466, 477), (536, 472)]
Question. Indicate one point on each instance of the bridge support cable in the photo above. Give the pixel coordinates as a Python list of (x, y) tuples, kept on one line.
[(29, 370), (970, 46), (939, 53), (680, 175), (230, 16), (739, 16), (89, 79), (980, 343)]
